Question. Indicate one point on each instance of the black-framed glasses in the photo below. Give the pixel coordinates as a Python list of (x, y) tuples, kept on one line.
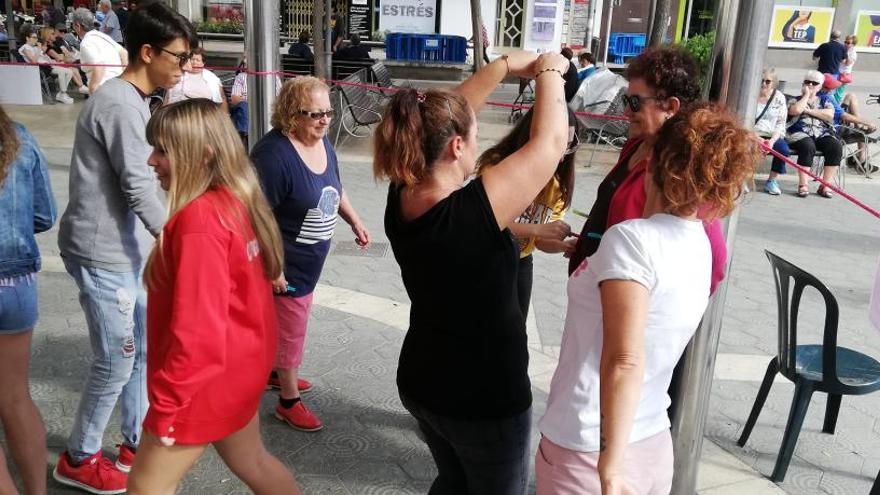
[(812, 83), (634, 102), (766, 81), (319, 114), (182, 58)]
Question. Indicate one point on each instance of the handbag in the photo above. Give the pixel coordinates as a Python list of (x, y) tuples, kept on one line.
[(846, 78), (769, 101)]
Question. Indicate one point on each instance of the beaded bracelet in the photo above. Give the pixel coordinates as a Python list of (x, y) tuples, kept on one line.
[(547, 70)]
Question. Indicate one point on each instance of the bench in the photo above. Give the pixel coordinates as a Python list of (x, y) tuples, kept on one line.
[(354, 105), (342, 69), (297, 65), (4, 52)]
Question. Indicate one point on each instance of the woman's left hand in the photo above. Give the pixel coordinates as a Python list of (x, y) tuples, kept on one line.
[(362, 235), (615, 484)]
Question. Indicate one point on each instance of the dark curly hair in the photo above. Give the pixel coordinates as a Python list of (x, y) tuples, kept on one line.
[(670, 70), (702, 159)]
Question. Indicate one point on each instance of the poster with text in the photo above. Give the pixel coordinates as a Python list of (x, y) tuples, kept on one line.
[(868, 31), (800, 27), (408, 16)]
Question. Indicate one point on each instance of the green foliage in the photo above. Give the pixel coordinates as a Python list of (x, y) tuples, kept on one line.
[(701, 46), (226, 26), (380, 35)]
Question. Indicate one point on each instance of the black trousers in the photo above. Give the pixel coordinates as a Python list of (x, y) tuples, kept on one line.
[(806, 148)]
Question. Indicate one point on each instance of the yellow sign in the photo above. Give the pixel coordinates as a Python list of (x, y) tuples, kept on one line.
[(800, 27), (868, 31)]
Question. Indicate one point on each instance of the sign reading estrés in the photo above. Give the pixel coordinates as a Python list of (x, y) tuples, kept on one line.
[(407, 16)]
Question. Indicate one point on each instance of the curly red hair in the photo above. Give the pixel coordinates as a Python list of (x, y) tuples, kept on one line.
[(702, 159)]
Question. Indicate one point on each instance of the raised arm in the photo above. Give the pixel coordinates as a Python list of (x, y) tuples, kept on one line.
[(479, 86), (513, 184)]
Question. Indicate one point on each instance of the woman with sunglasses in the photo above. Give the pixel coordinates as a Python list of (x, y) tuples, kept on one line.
[(772, 113), (300, 176), (661, 82), (540, 226), (633, 308), (810, 129)]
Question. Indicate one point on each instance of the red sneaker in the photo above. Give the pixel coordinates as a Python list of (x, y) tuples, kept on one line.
[(298, 417), (96, 474), (302, 384), (125, 458)]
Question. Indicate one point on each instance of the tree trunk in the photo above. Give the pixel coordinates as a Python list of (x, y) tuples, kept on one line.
[(318, 39), (477, 24), (660, 22)]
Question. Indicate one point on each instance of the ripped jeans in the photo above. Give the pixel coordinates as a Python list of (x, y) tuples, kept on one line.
[(115, 307)]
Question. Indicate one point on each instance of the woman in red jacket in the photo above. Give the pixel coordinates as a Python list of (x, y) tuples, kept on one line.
[(210, 318)]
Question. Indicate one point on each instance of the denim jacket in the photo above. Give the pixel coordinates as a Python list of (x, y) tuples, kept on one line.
[(26, 207)]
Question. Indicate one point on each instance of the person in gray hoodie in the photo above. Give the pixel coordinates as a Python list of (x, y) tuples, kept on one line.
[(105, 234)]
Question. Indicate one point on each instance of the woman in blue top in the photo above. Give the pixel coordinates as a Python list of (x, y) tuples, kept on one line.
[(300, 176), (26, 208)]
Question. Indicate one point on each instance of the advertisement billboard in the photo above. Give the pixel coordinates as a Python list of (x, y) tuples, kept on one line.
[(800, 27), (868, 31)]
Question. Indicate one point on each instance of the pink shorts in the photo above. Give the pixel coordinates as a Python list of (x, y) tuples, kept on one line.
[(559, 471), (293, 318)]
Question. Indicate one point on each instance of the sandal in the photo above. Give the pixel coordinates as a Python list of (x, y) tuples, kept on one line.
[(824, 192), (803, 191)]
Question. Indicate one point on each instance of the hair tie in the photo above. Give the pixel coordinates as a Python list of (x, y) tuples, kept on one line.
[(420, 96)]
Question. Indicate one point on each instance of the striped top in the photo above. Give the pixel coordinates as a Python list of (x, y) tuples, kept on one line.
[(305, 204)]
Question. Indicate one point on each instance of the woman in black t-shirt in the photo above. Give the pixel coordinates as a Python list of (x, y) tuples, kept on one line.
[(463, 366)]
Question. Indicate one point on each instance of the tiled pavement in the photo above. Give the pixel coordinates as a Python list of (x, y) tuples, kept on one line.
[(369, 445)]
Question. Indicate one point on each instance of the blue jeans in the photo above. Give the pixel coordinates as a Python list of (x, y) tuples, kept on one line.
[(478, 457), (18, 304), (115, 308), (781, 147)]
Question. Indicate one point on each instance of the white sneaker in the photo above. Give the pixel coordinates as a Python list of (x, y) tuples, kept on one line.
[(64, 98), (83, 90)]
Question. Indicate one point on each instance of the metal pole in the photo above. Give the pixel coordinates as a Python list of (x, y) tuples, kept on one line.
[(318, 38), (261, 41), (10, 29), (608, 31), (687, 20), (588, 35), (738, 60), (477, 26), (328, 38)]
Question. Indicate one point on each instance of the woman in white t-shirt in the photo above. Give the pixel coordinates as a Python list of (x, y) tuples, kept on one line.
[(198, 82), (632, 308)]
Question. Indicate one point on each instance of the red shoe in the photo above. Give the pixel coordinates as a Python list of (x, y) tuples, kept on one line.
[(303, 385), (298, 417), (96, 474), (125, 458)]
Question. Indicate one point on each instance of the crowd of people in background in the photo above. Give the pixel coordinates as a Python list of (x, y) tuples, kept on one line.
[(821, 118)]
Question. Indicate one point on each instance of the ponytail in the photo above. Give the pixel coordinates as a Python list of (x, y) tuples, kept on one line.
[(398, 154), (414, 130)]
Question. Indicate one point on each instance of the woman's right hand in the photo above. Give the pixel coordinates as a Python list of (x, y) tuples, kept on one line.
[(279, 285), (557, 230)]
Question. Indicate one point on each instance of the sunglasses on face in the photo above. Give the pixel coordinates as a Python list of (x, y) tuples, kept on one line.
[(767, 81), (182, 58), (319, 114), (634, 102), (811, 83)]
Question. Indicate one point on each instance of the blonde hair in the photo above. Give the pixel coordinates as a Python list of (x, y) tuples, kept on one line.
[(852, 39), (205, 152), (294, 94)]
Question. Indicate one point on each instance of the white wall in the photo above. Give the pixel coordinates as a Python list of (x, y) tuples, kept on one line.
[(455, 18)]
